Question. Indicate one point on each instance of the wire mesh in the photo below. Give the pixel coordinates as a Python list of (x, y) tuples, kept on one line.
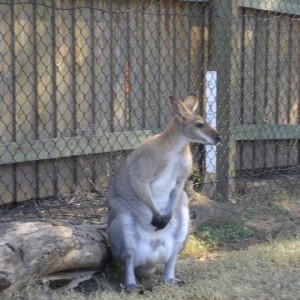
[(82, 83)]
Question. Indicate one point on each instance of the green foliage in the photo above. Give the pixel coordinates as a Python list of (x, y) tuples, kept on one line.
[(197, 179), (278, 209), (230, 233), (218, 197)]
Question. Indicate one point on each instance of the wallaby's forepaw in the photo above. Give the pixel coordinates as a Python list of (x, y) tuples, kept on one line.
[(173, 281), (134, 288), (160, 222)]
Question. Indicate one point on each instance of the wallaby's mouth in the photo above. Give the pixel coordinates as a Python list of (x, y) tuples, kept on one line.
[(214, 140), (218, 139)]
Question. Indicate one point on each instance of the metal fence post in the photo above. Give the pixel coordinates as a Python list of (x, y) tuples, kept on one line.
[(223, 59)]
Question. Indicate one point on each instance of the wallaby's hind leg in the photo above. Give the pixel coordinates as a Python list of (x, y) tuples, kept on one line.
[(130, 280), (169, 272), (124, 248), (182, 216)]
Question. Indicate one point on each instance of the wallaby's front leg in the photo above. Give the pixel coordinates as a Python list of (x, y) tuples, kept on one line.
[(160, 222), (174, 196), (140, 183)]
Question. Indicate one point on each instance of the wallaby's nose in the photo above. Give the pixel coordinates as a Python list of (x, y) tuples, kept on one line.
[(218, 139)]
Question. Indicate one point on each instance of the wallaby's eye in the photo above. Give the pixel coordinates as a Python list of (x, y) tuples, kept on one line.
[(199, 125)]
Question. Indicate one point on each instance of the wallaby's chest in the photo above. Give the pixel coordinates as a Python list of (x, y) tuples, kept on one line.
[(176, 169)]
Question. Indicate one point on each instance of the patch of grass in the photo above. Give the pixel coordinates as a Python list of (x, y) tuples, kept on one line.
[(213, 236), (269, 271), (249, 215), (193, 248), (278, 209)]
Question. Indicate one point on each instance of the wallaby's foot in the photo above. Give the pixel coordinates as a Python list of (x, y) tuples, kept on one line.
[(160, 222), (173, 281), (134, 288)]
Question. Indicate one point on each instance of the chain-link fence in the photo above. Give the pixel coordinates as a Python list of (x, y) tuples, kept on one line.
[(84, 82)]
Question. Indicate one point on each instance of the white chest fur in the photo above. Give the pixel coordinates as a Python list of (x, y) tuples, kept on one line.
[(177, 168)]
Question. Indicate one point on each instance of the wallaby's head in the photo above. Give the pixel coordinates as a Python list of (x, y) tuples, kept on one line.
[(194, 126)]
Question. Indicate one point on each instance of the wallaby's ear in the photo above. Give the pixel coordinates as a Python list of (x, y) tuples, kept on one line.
[(178, 108), (191, 101)]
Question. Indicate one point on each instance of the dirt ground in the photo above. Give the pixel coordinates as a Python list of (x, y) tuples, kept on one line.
[(254, 255)]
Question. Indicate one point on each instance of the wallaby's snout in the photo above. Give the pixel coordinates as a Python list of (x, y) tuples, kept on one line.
[(216, 138)]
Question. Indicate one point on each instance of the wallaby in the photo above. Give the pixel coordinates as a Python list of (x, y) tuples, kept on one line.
[(148, 216)]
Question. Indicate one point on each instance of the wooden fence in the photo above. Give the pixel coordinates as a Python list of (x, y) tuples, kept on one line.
[(83, 80)]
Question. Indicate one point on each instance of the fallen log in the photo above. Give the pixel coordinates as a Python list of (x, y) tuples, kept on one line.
[(31, 250)]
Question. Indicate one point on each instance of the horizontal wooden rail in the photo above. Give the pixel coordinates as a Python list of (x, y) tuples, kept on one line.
[(252, 132), (70, 146), (119, 141), (277, 6)]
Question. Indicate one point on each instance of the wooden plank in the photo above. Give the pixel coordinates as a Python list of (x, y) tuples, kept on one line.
[(247, 156), (270, 157), (252, 132), (7, 178), (272, 70), (118, 63), (45, 92), (272, 86), (295, 76), (64, 64), (152, 71), (25, 94), (83, 64), (65, 89), (294, 150), (181, 53), (102, 67), (70, 146), (259, 159), (196, 38), (259, 61), (7, 126), (284, 7), (83, 83), (283, 86), (248, 68), (293, 153), (103, 82), (102, 172), (6, 75), (136, 65), (284, 72), (64, 176), (166, 61)]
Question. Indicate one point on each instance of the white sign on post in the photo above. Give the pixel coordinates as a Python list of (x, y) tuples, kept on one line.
[(211, 118)]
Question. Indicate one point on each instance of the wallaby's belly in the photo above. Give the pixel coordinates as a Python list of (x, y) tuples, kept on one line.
[(154, 247)]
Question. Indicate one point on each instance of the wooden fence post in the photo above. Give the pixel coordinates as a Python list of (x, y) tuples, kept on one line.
[(224, 39)]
